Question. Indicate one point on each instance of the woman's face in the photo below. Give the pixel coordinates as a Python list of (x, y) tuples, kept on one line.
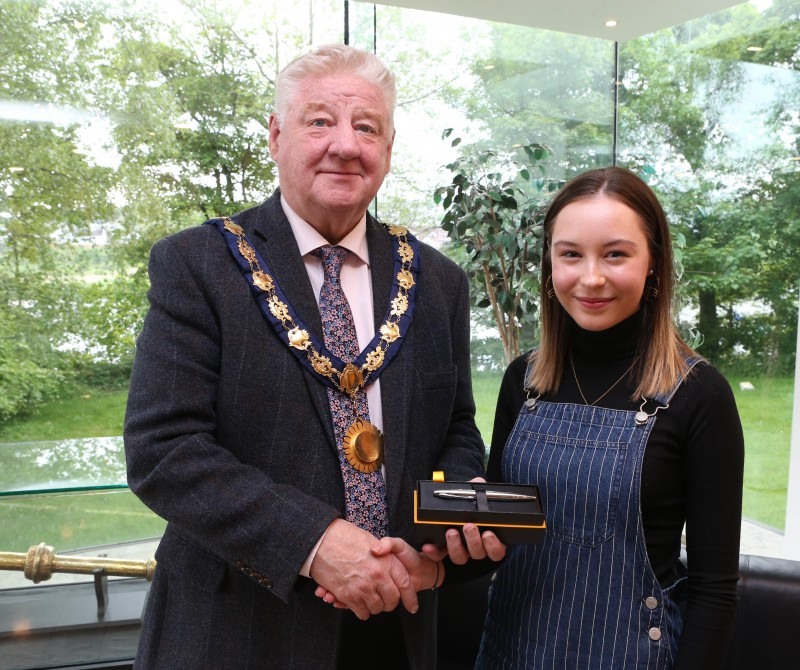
[(600, 261)]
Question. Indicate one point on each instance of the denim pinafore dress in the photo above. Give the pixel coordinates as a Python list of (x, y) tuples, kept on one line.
[(586, 597)]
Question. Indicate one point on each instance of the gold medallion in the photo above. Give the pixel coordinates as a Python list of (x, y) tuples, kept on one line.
[(374, 360), (399, 305), (248, 253), (279, 309), (351, 379), (363, 446), (390, 332), (405, 252), (322, 364)]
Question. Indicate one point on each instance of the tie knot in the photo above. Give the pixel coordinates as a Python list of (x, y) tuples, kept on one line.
[(332, 258)]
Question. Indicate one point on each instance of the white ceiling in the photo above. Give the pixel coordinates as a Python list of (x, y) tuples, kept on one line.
[(581, 17)]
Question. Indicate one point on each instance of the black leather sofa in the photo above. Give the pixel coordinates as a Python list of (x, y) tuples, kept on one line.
[(767, 618), (768, 615)]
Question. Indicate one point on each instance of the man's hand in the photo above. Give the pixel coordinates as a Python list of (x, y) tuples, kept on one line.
[(426, 573), (479, 545), (350, 575)]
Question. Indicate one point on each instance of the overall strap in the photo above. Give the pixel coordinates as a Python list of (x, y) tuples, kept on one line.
[(665, 398)]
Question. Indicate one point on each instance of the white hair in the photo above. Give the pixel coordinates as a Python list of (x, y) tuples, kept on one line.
[(332, 59)]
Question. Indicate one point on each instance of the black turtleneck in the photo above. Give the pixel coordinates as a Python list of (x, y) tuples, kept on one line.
[(692, 474)]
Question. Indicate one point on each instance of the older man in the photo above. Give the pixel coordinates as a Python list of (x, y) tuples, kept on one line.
[(300, 368)]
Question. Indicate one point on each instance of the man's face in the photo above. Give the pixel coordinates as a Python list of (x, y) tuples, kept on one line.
[(333, 150)]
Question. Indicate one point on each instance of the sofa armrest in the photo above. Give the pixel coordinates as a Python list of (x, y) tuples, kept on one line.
[(767, 616)]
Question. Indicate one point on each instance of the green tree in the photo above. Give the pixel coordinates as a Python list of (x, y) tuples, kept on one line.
[(683, 92), (493, 211), (126, 127), (521, 99), (192, 135), (51, 192)]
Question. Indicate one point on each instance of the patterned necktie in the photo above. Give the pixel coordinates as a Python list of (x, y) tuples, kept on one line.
[(365, 492)]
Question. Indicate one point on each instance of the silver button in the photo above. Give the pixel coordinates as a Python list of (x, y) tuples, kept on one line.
[(654, 634), (651, 602)]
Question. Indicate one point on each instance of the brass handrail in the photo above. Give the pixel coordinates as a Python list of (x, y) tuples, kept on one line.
[(41, 562)]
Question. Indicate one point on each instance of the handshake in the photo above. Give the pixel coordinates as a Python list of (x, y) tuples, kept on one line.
[(356, 571)]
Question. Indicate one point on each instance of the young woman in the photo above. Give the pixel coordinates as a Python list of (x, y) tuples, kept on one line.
[(630, 437)]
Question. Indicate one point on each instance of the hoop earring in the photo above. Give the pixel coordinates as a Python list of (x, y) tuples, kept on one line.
[(651, 289), (548, 287)]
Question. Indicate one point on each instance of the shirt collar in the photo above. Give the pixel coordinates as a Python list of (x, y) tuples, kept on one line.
[(309, 239)]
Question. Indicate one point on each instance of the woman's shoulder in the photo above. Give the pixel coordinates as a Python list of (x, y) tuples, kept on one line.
[(520, 363), (516, 369), (706, 392), (704, 377)]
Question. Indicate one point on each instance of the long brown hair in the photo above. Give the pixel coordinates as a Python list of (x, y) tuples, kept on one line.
[(660, 348)]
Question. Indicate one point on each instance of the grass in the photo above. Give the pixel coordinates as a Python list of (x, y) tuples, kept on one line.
[(74, 414), (69, 521), (72, 520), (91, 518), (766, 415), (485, 386)]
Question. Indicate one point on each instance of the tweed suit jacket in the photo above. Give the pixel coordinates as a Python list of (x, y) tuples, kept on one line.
[(229, 438)]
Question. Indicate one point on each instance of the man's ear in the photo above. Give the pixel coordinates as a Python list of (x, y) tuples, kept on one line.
[(389, 152), (274, 132)]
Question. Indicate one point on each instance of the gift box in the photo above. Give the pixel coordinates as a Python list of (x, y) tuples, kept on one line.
[(514, 512)]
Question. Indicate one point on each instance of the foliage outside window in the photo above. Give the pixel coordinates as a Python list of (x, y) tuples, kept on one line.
[(122, 122)]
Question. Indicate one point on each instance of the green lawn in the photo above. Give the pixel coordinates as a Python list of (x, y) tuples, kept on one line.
[(766, 416), (76, 520), (69, 521), (485, 386), (81, 414)]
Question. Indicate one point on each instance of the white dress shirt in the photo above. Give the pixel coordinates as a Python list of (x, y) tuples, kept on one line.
[(357, 286)]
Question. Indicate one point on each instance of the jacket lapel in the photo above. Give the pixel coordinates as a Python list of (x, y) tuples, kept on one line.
[(396, 380), (274, 240)]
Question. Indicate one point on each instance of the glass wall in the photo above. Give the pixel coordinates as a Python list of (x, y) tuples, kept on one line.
[(121, 122), (709, 108)]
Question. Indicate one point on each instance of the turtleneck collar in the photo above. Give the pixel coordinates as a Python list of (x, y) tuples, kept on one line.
[(613, 344)]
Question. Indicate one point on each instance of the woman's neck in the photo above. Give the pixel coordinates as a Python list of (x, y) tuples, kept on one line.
[(615, 344)]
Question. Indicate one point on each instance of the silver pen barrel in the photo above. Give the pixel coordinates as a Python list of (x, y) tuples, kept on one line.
[(469, 494)]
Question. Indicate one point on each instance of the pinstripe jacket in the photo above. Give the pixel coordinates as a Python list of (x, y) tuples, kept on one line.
[(230, 440)]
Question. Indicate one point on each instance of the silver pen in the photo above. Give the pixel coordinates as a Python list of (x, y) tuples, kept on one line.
[(469, 494)]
